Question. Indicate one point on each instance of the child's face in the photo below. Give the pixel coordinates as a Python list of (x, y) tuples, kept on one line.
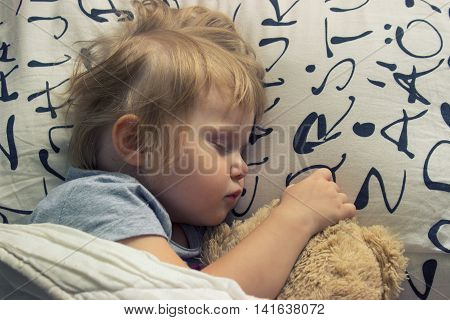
[(210, 168)]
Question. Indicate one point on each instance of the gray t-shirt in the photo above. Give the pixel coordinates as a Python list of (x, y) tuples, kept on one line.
[(112, 206)]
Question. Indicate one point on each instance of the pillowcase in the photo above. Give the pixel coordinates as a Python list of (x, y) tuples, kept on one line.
[(351, 87), (365, 93)]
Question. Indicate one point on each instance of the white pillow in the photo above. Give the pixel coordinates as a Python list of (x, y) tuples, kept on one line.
[(380, 121)]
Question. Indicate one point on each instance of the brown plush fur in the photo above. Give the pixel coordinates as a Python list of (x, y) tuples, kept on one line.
[(344, 261)]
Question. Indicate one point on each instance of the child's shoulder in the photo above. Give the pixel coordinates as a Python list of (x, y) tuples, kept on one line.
[(86, 186), (87, 191), (77, 176), (82, 183)]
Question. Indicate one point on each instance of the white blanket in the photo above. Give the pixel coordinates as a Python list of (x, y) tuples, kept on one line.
[(47, 261)]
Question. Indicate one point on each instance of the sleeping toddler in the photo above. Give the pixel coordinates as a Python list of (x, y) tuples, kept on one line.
[(162, 109)]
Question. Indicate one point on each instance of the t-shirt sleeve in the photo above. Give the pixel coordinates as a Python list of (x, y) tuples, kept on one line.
[(114, 211)]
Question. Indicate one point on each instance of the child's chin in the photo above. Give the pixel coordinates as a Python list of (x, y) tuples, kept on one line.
[(216, 220)]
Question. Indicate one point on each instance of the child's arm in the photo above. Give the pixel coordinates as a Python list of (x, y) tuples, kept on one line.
[(157, 246), (262, 262)]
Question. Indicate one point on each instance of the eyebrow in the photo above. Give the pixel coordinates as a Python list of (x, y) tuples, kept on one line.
[(215, 132), (228, 129), (226, 133), (243, 143)]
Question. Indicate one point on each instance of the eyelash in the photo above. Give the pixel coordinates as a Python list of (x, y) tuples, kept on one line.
[(220, 147), (223, 149)]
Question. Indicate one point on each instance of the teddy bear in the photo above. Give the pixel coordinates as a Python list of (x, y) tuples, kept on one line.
[(344, 261)]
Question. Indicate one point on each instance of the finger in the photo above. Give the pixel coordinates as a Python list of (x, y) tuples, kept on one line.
[(289, 186), (326, 173), (349, 209), (343, 197), (289, 189), (336, 187)]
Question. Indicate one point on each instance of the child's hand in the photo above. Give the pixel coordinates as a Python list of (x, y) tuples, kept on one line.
[(270, 251), (316, 202)]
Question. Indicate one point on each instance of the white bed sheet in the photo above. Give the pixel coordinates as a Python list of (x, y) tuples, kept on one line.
[(47, 261)]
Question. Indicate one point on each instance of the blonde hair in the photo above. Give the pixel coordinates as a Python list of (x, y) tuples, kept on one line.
[(156, 66)]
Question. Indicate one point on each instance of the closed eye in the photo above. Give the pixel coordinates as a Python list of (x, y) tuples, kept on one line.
[(219, 147), (224, 148)]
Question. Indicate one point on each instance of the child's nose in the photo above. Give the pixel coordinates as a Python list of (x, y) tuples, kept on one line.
[(239, 168)]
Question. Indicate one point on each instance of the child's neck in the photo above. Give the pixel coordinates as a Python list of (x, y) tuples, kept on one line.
[(179, 236)]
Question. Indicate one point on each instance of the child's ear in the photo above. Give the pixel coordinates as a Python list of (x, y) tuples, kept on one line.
[(125, 139)]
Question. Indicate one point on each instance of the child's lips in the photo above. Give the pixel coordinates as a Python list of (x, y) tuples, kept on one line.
[(231, 199), (235, 194)]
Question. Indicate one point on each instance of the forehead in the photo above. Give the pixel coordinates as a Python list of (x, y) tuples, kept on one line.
[(213, 111)]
